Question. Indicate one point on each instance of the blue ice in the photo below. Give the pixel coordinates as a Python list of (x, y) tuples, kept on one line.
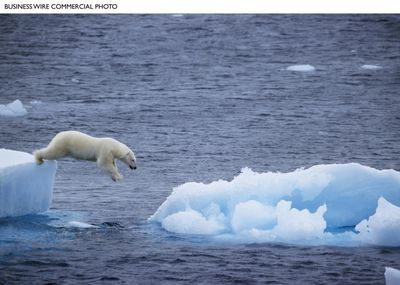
[(25, 187), (336, 204)]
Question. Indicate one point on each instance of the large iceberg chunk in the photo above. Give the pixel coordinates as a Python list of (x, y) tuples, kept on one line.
[(324, 204), (25, 187)]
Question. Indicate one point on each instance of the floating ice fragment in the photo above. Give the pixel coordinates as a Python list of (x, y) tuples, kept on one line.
[(76, 224), (13, 109), (392, 276), (371, 66), (301, 68), (25, 187)]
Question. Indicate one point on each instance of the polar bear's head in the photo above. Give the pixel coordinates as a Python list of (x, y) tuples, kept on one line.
[(129, 159)]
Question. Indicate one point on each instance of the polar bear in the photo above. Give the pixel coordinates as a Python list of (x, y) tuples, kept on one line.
[(82, 146)]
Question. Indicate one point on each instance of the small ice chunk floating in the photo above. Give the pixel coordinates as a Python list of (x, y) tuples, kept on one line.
[(13, 109), (301, 68), (336, 204), (371, 66), (25, 187)]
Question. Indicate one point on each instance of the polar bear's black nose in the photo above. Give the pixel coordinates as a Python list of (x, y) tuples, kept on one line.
[(132, 167)]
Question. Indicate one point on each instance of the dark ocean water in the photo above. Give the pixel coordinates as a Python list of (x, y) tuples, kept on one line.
[(197, 97)]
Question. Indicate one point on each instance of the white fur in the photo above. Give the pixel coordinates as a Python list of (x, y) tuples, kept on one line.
[(81, 146)]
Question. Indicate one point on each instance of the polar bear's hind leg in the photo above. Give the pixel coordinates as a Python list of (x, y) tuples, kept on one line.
[(38, 157), (50, 153)]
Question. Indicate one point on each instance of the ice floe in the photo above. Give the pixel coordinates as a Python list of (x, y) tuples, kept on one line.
[(25, 187), (324, 204)]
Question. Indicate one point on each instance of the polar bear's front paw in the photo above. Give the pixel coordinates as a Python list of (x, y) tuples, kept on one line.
[(116, 177)]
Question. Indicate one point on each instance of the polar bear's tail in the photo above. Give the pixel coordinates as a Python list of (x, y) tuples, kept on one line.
[(38, 156)]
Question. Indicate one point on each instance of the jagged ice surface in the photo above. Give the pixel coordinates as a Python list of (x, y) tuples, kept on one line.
[(324, 204), (25, 187)]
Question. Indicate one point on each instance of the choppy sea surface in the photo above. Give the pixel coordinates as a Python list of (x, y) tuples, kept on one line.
[(198, 97)]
